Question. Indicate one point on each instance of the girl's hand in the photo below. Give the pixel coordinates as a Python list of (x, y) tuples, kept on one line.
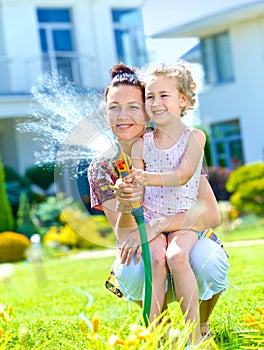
[(137, 176)]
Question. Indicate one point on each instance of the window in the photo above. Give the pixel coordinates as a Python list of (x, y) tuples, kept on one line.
[(129, 36), (226, 143), (56, 40), (216, 58)]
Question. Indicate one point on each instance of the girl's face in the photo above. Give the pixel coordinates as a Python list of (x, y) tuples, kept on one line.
[(163, 99), (125, 112)]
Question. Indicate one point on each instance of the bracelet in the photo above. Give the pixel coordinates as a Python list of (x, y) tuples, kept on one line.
[(156, 224)]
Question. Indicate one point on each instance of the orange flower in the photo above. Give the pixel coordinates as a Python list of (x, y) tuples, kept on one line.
[(95, 324)]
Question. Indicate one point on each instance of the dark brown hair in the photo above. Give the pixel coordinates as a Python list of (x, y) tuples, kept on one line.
[(121, 74)]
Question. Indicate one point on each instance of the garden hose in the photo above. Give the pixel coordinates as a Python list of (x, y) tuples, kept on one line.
[(123, 164)]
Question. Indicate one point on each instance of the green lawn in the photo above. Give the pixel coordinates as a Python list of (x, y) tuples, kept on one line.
[(242, 233), (46, 314)]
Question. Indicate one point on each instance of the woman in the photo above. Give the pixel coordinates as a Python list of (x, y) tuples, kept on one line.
[(125, 111)]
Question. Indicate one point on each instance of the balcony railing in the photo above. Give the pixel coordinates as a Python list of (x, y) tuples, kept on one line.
[(18, 75)]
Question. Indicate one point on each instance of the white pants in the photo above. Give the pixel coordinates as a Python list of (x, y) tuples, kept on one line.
[(208, 261)]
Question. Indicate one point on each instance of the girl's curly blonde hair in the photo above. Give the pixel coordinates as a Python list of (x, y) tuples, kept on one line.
[(178, 72)]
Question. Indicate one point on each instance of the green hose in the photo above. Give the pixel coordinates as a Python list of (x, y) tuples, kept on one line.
[(123, 163), (138, 214)]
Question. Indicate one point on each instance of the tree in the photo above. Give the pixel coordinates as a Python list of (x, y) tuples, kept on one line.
[(7, 222)]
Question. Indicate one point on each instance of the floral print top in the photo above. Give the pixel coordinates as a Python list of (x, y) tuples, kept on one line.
[(101, 176)]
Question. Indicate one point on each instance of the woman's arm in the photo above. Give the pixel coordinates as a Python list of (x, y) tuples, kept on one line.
[(203, 215)]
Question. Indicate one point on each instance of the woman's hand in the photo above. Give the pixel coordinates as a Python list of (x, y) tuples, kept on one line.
[(129, 247), (127, 193)]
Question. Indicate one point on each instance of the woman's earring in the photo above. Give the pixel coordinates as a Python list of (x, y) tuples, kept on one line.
[(150, 125)]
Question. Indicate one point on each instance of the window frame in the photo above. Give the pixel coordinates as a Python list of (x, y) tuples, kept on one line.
[(216, 50)]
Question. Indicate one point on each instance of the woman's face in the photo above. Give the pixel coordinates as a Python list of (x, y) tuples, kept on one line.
[(125, 112)]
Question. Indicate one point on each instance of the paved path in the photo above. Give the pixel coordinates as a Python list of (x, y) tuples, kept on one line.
[(93, 254), (244, 243), (112, 252)]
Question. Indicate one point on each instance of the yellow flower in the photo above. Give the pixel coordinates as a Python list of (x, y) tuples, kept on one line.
[(95, 324), (252, 322), (1, 333), (9, 310), (132, 339), (250, 319), (83, 326), (260, 310), (5, 316), (140, 331), (115, 340)]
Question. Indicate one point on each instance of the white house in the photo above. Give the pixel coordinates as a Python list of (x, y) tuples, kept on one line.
[(81, 39), (231, 103)]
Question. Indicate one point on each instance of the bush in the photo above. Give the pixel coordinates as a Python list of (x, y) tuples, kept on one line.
[(25, 224), (13, 246), (218, 177), (42, 176), (48, 212), (246, 184), (15, 185), (7, 221), (81, 231)]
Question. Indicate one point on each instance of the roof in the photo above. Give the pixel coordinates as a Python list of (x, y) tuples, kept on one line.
[(193, 55), (214, 23)]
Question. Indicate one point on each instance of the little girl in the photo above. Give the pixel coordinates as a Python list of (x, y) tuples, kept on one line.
[(168, 162)]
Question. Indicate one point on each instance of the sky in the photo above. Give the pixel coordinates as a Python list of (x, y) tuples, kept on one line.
[(163, 14)]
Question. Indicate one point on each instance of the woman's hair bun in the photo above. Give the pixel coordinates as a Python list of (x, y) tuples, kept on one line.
[(120, 69)]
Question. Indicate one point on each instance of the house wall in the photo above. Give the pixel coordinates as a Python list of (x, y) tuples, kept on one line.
[(242, 98), (93, 31), (20, 50)]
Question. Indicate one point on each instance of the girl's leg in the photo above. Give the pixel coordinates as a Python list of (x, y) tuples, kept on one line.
[(159, 275), (186, 288)]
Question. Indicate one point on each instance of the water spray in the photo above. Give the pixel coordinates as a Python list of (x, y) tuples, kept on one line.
[(69, 126)]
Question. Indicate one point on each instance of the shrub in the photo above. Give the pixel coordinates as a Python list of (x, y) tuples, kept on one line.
[(7, 221), (13, 246), (246, 184), (218, 177), (42, 176), (48, 212), (63, 235), (25, 224), (15, 185), (81, 231)]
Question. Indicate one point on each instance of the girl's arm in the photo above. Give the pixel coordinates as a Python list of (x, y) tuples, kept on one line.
[(191, 158)]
